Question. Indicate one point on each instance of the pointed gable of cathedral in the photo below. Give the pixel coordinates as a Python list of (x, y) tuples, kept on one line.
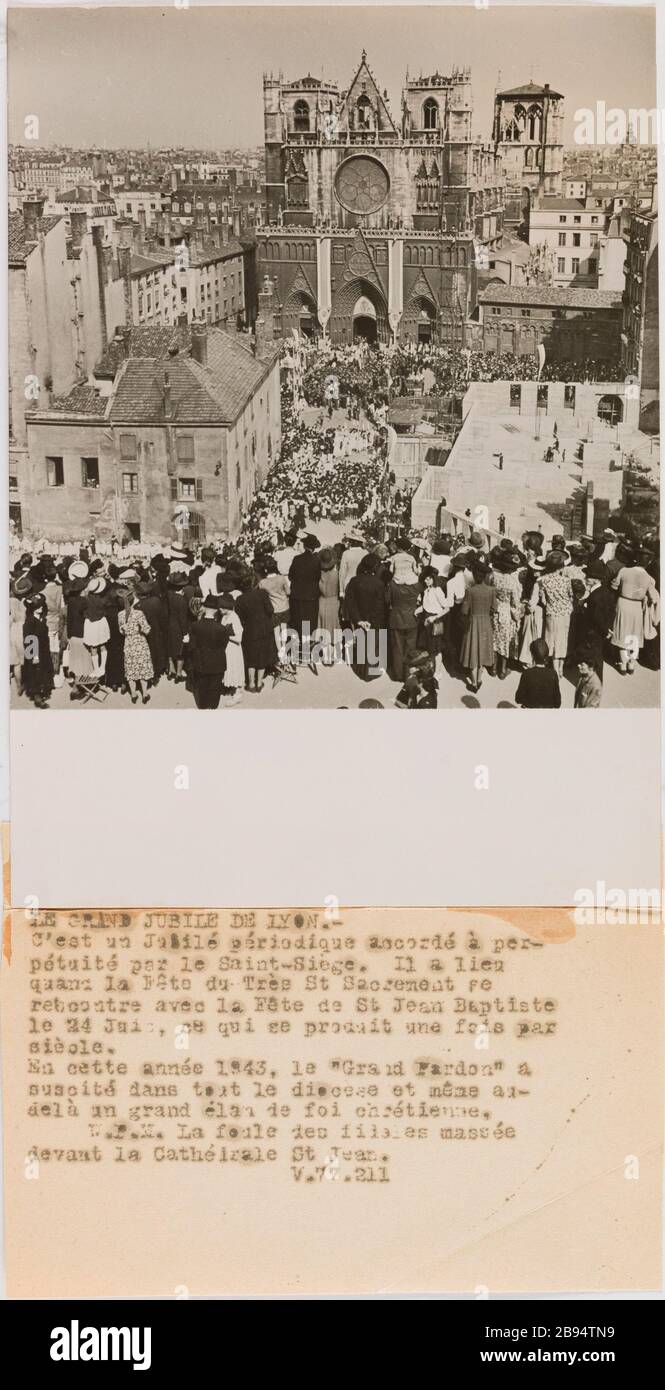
[(422, 289), (301, 284), (360, 263), (364, 96)]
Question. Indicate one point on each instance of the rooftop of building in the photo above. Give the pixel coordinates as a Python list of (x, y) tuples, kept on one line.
[(157, 341), (19, 245), (139, 359), (216, 393), (571, 297), (531, 89), (81, 400), (554, 204)]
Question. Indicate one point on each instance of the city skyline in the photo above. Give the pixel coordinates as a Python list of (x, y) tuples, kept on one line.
[(52, 53)]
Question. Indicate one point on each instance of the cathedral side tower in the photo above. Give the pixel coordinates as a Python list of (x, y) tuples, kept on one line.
[(528, 132)]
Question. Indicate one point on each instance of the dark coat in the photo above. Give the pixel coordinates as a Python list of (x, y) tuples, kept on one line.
[(177, 622), (155, 610), (258, 631), (304, 574), (403, 599), (207, 640), (539, 688), (365, 601)]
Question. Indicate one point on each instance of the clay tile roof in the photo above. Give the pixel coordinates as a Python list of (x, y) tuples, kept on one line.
[(214, 394), (573, 297), (82, 400), (18, 246), (151, 340)]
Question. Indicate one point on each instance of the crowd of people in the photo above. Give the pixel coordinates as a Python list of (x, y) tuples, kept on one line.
[(220, 621), (384, 598), (377, 375), (313, 481)]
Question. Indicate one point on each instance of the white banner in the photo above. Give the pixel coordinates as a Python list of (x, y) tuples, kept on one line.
[(323, 287)]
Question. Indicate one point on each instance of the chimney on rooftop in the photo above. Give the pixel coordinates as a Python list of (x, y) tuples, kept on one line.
[(200, 344), (33, 209), (79, 225), (166, 394)]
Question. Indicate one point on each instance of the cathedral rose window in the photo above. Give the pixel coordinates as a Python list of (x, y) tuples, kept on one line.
[(362, 184)]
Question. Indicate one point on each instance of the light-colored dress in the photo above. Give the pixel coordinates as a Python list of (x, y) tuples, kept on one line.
[(532, 625), (137, 659), (16, 621), (235, 662), (635, 587), (556, 592), (329, 601), (505, 617)]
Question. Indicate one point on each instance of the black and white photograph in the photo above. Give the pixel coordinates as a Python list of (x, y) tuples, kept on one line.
[(333, 358)]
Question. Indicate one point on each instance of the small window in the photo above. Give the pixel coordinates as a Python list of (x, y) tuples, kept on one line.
[(128, 447), (130, 482), (90, 472), (577, 220), (594, 219), (55, 473), (592, 267), (190, 489), (496, 311), (577, 240), (526, 313), (185, 448), (575, 265), (562, 217), (562, 238), (561, 265)]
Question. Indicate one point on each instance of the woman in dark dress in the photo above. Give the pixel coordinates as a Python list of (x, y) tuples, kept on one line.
[(402, 628), (478, 641), (366, 611), (153, 605), (115, 664), (37, 672), (177, 625), (258, 635)]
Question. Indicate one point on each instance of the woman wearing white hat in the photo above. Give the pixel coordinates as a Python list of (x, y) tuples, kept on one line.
[(96, 631)]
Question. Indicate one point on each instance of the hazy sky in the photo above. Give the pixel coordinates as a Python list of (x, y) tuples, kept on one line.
[(124, 76)]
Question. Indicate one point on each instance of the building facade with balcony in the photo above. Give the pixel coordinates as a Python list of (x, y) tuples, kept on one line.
[(375, 227)]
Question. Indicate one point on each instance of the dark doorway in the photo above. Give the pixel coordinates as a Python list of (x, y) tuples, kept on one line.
[(364, 327), (306, 325), (133, 530), (610, 409)]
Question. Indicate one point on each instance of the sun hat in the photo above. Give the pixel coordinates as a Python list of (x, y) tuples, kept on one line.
[(78, 570)]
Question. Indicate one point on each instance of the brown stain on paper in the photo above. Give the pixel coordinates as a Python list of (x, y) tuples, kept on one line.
[(549, 925)]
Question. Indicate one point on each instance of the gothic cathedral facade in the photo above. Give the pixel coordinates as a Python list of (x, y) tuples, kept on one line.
[(376, 227)]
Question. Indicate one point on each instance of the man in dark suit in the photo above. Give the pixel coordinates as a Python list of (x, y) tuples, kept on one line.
[(304, 574), (207, 640)]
